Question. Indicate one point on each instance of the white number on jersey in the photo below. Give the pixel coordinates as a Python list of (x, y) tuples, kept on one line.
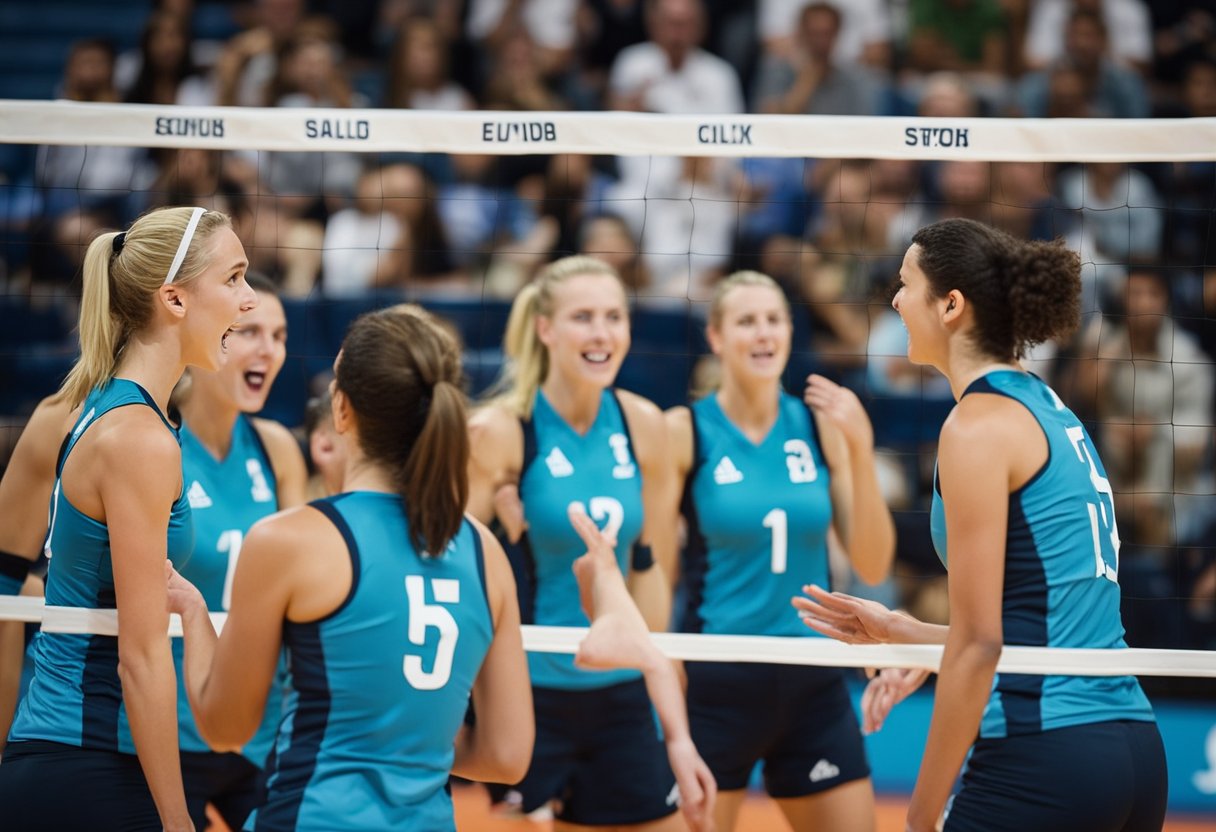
[(230, 542), (777, 521), (1102, 491), (800, 462), (606, 510), (423, 615)]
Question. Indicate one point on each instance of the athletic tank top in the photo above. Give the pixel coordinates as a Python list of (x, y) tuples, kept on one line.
[(226, 497), (1061, 573), (598, 471), (381, 685), (758, 518), (75, 696)]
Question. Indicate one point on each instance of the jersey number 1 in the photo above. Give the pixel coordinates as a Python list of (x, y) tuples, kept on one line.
[(423, 615)]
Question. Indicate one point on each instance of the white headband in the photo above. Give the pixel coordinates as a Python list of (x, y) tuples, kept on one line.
[(184, 245)]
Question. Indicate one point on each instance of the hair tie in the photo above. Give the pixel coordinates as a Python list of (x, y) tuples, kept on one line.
[(184, 245), (117, 243)]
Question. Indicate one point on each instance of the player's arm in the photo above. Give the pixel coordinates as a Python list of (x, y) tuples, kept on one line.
[(975, 464), (290, 472), (137, 470), (25, 492), (859, 513), (498, 747), (496, 451), (651, 586), (228, 679)]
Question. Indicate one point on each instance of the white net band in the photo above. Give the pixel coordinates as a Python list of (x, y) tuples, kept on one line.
[(608, 133), (762, 649)]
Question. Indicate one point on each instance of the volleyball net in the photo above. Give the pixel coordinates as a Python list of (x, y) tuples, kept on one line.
[(350, 210)]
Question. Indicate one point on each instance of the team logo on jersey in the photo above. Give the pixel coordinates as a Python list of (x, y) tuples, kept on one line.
[(823, 770), (197, 496), (800, 462), (559, 466), (259, 489), (624, 468), (726, 473)]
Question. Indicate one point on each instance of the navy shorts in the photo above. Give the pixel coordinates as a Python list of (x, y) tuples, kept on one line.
[(49, 786), (228, 781), (600, 755), (798, 720), (1104, 777)]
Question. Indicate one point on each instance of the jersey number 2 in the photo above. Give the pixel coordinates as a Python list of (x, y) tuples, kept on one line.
[(423, 615)]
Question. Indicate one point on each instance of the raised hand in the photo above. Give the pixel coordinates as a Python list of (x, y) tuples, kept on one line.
[(842, 408)]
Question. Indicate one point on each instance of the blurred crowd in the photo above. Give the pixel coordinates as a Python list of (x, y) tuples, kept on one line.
[(340, 225)]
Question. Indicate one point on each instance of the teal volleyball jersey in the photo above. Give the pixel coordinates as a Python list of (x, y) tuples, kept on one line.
[(75, 696), (1061, 574), (598, 472), (226, 498), (380, 686), (758, 518)]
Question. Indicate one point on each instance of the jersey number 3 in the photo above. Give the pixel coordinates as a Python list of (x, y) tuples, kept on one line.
[(423, 616)]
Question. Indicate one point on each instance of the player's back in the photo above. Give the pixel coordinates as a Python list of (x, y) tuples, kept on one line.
[(381, 685), (1061, 572)]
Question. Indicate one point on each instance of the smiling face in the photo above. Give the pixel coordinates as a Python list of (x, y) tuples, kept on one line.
[(920, 311), (255, 354), (752, 335), (587, 333), (215, 301)]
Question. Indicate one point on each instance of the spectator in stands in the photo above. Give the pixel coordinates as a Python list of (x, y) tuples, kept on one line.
[(517, 78), (1182, 32), (360, 241), (607, 237), (418, 71), (167, 73), (247, 64), (811, 80), (947, 95), (1109, 90), (864, 38), (605, 28), (77, 176), (1152, 390), (955, 189), (422, 257), (284, 248), (1127, 21), (957, 35), (1023, 203), (550, 25), (1119, 208)]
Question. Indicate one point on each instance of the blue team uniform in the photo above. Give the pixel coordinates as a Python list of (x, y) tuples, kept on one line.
[(597, 746), (758, 517), (381, 685), (73, 717), (227, 496), (1060, 590)]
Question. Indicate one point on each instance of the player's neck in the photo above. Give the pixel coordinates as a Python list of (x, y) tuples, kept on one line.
[(211, 423), (751, 407), (147, 363), (577, 406), (964, 367)]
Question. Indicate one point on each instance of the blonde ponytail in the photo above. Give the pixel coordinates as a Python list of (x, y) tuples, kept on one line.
[(122, 273)]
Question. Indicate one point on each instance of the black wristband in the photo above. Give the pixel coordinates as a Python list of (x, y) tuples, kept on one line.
[(14, 566), (642, 559)]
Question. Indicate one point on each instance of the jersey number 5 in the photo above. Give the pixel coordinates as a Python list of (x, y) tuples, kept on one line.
[(1103, 492), (423, 615)]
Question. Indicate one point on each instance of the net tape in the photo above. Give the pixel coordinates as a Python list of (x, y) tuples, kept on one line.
[(764, 649)]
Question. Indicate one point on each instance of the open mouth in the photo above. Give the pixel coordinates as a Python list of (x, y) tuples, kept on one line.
[(597, 357), (255, 380), (224, 338)]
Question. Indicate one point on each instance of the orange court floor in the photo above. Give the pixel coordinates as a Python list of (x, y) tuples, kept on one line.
[(759, 815)]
